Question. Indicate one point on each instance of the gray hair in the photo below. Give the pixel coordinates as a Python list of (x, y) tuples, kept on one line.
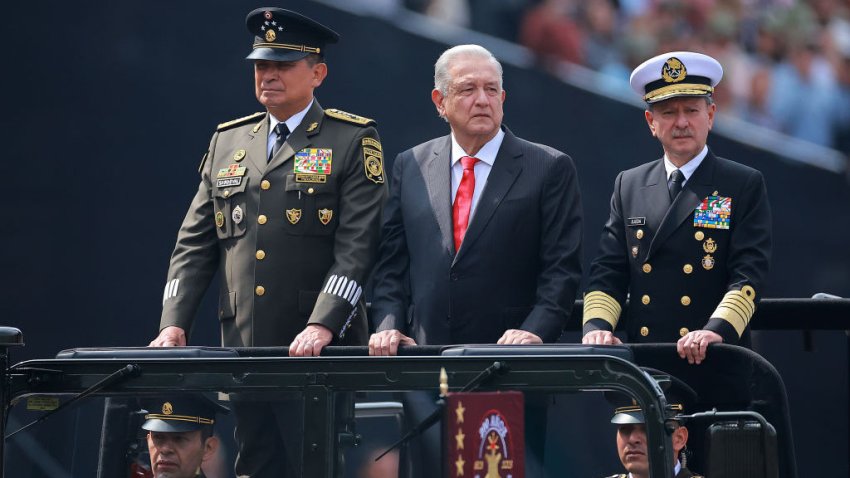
[(441, 68)]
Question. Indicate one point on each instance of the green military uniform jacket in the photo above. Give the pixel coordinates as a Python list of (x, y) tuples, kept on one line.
[(293, 239), (699, 262)]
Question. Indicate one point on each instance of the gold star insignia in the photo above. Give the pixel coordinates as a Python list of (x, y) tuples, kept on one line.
[(459, 412), (459, 437), (459, 464)]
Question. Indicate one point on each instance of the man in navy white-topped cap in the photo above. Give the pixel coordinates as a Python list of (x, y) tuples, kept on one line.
[(688, 239)]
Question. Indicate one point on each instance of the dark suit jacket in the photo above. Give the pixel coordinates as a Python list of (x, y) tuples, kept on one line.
[(674, 275), (519, 263)]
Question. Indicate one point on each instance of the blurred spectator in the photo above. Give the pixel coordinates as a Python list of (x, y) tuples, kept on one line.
[(786, 62), (550, 31)]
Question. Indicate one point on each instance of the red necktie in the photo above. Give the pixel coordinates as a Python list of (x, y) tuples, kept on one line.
[(463, 199)]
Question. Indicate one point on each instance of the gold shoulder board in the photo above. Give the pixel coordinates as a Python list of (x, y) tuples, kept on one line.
[(240, 121), (349, 117)]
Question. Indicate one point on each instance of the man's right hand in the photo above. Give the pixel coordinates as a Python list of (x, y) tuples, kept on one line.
[(601, 337), (170, 337), (386, 342)]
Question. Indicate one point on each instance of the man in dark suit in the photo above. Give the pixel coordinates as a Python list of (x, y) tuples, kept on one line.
[(288, 213), (689, 235), (482, 230)]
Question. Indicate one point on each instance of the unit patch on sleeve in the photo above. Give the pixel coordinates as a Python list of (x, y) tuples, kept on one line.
[(313, 165), (373, 160), (714, 212)]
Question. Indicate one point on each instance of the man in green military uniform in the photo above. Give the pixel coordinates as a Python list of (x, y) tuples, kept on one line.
[(180, 434), (288, 212), (631, 439), (689, 234)]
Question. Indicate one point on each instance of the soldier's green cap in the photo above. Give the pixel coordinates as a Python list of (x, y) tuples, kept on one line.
[(284, 35), (181, 413)]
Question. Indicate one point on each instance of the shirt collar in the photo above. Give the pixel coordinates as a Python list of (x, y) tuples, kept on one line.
[(293, 120), (689, 167), (487, 153), (676, 469)]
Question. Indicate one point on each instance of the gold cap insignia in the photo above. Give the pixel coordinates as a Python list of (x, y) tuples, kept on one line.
[(270, 35), (167, 409), (325, 216), (673, 70), (293, 215)]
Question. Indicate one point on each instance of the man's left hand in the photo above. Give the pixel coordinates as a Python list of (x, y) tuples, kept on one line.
[(694, 344), (521, 337), (310, 341)]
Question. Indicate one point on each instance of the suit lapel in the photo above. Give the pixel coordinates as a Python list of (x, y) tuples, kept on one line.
[(436, 169), (502, 176), (298, 139), (257, 147), (699, 185), (656, 195)]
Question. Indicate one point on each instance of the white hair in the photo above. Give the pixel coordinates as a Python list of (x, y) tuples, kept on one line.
[(442, 78)]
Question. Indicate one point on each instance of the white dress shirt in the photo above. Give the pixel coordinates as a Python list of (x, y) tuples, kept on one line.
[(689, 167), (486, 158), (291, 123)]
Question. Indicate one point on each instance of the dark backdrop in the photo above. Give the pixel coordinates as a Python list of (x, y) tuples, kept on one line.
[(109, 106)]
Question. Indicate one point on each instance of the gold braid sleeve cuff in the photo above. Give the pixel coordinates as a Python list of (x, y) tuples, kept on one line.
[(599, 305), (737, 308)]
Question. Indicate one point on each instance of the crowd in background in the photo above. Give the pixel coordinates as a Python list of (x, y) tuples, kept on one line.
[(786, 62)]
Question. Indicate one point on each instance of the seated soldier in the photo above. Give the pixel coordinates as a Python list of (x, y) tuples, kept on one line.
[(180, 434), (631, 441)]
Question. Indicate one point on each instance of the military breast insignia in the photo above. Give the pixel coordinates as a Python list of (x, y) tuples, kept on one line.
[(708, 262), (237, 215), (219, 219), (714, 212), (230, 176), (709, 246), (325, 216), (673, 70), (239, 155), (373, 160), (313, 165), (293, 215)]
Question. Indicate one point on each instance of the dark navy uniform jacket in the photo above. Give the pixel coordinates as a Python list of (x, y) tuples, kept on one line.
[(698, 263)]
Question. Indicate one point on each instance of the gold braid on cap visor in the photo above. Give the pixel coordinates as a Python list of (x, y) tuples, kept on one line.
[(180, 418), (286, 46), (680, 89)]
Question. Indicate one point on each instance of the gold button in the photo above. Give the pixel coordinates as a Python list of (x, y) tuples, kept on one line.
[(264, 184), (261, 254), (226, 192), (699, 235), (644, 331), (260, 290), (639, 234), (686, 301), (683, 331), (310, 190), (647, 268), (262, 219), (688, 268), (645, 300)]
